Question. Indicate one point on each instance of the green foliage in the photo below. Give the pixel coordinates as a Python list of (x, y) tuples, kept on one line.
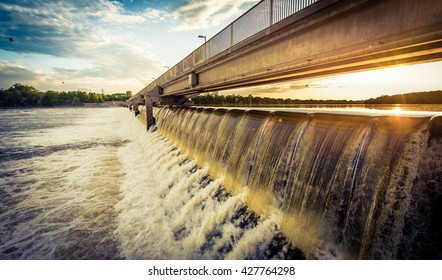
[(27, 96), (238, 100), (117, 96), (430, 97)]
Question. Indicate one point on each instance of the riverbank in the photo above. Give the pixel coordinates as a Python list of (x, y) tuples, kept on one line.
[(88, 105), (403, 107)]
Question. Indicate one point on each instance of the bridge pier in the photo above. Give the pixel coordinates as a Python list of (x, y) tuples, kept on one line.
[(151, 99), (137, 100), (154, 98)]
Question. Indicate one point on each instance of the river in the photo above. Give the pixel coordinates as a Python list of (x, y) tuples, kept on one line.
[(92, 183)]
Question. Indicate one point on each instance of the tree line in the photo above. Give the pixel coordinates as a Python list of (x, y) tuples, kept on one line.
[(27, 96), (431, 97), (238, 100)]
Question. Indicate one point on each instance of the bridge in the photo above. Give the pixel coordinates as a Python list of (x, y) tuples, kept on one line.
[(281, 40)]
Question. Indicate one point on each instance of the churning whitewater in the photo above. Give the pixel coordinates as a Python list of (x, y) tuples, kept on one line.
[(338, 185), (92, 183), (83, 183)]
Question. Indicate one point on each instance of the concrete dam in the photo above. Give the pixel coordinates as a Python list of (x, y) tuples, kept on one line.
[(260, 184), (294, 184)]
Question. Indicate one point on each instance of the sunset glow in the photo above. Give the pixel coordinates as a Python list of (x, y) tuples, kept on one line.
[(115, 46), (356, 86)]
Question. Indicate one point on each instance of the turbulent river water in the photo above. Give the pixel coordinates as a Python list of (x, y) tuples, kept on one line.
[(92, 183), (87, 183)]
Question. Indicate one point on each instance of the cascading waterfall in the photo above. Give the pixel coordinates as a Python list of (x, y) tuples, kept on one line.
[(173, 209), (91, 183), (336, 185), (83, 183)]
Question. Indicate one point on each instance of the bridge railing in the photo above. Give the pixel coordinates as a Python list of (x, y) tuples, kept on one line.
[(259, 17), (283, 8), (252, 22)]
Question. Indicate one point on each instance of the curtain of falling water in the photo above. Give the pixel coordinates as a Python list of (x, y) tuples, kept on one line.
[(339, 185)]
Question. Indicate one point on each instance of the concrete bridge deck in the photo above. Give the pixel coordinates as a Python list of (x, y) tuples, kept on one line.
[(297, 39)]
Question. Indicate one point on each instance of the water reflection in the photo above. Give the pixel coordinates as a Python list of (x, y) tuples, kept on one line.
[(406, 107), (412, 110), (401, 107)]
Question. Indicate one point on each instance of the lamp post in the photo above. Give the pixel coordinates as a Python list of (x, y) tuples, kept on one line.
[(202, 36), (205, 46)]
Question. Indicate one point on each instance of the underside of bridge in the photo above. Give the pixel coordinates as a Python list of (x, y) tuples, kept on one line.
[(325, 38)]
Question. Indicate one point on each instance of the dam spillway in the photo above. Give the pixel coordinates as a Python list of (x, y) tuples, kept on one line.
[(241, 185), (336, 185)]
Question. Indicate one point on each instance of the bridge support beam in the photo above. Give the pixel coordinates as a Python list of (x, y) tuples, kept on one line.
[(137, 100), (154, 98), (151, 99)]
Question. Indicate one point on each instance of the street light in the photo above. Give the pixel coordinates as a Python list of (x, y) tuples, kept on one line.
[(202, 36), (167, 67)]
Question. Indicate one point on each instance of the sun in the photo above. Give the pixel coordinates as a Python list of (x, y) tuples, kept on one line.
[(397, 110)]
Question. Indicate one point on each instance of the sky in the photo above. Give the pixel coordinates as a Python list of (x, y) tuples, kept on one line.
[(115, 46), (98, 45), (357, 86)]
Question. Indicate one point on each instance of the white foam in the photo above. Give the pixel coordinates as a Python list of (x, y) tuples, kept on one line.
[(253, 239), (60, 201), (168, 208)]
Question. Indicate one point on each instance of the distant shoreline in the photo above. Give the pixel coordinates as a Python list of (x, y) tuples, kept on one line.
[(401, 107), (62, 106), (430, 97), (321, 104)]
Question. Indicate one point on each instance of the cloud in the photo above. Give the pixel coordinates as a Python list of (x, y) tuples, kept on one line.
[(203, 14), (62, 28), (95, 31), (294, 89), (114, 13), (13, 72), (64, 79), (330, 83), (103, 33), (268, 90), (155, 15)]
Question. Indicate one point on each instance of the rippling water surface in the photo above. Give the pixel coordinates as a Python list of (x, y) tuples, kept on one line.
[(60, 175), (92, 183), (88, 183)]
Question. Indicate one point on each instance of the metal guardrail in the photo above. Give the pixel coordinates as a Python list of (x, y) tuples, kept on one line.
[(259, 17), (252, 22)]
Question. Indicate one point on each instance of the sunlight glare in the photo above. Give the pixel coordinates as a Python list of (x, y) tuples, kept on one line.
[(397, 110), (386, 76)]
